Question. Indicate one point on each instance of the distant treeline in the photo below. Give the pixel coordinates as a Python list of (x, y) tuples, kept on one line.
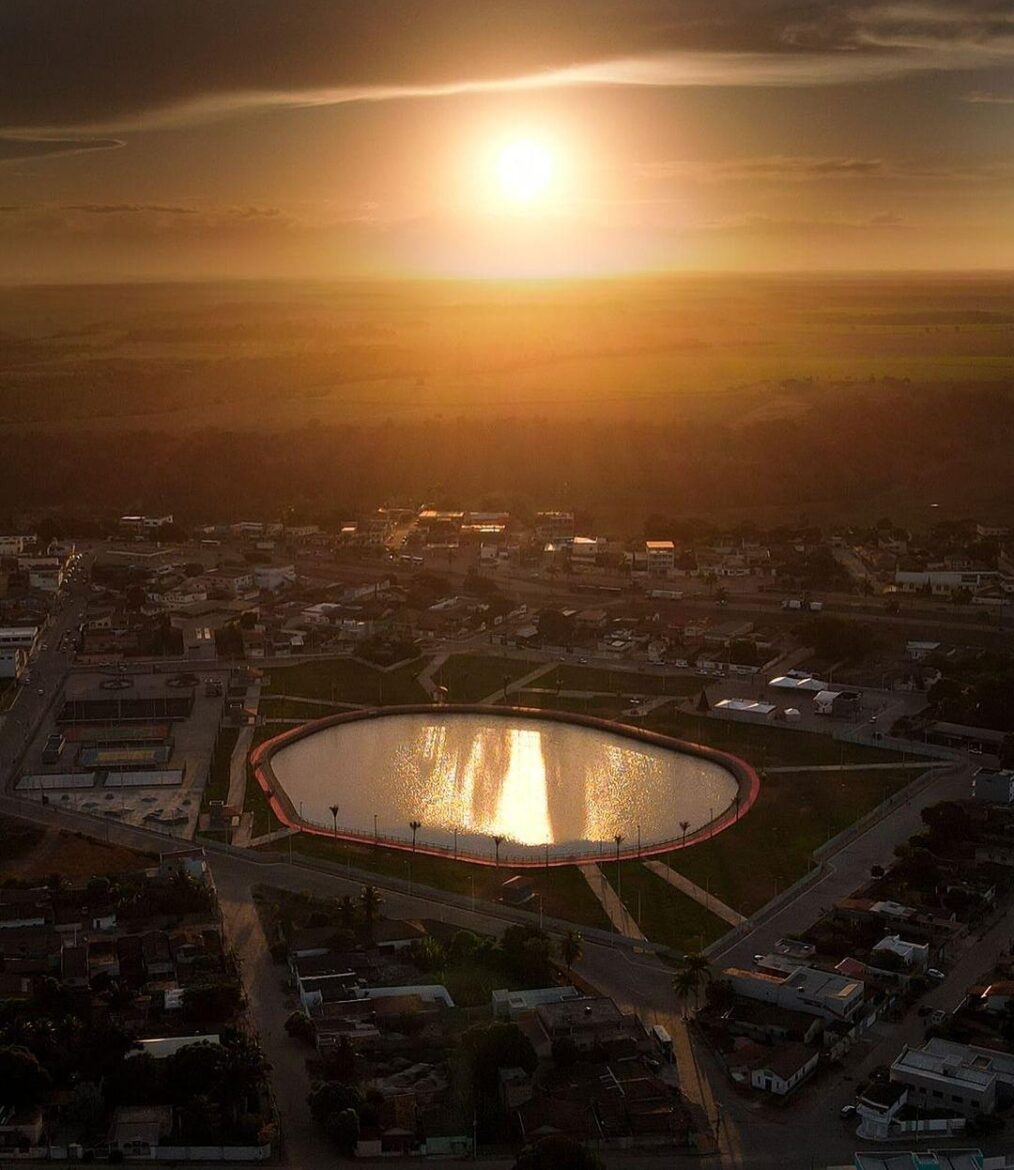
[(858, 448)]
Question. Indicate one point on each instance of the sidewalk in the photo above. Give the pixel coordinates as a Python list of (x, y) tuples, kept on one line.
[(686, 886), (518, 684), (618, 914)]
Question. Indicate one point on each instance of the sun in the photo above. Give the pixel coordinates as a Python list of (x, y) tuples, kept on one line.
[(525, 169)]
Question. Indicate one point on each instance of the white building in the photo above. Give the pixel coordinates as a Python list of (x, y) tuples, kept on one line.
[(914, 955), (19, 638), (959, 1077), (44, 573), (584, 550), (804, 989), (942, 582)]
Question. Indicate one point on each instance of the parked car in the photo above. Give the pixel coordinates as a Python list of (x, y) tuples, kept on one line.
[(933, 973), (847, 1111), (938, 1016)]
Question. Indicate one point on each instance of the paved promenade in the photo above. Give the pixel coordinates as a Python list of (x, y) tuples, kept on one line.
[(618, 914), (686, 886)]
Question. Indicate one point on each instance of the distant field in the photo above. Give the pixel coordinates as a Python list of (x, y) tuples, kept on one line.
[(33, 853), (727, 397)]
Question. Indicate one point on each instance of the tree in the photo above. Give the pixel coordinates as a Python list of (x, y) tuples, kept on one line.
[(328, 1098), (558, 1152), (684, 985), (428, 954), (343, 1129), (25, 1082), (571, 949), (692, 973), (299, 1026), (370, 900)]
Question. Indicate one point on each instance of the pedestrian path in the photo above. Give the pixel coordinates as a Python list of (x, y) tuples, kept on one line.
[(686, 886), (425, 678), (922, 765), (237, 767), (519, 684), (617, 913)]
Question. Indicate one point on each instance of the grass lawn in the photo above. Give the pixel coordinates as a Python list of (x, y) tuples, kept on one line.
[(571, 677), (288, 708), (770, 847), (565, 893), (663, 913), (766, 746), (471, 677), (217, 787), (343, 680)]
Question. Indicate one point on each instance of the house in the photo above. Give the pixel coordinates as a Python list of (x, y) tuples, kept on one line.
[(744, 710), (555, 527), (508, 1005), (20, 1129), (158, 1048), (395, 934), (924, 1160), (805, 989), (138, 1130), (783, 1068), (916, 956)]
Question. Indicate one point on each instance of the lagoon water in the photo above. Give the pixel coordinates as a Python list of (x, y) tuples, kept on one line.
[(534, 782)]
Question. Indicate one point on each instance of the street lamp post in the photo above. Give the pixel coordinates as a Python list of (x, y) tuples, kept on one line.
[(415, 826), (334, 820), (618, 838), (496, 848), (376, 839)]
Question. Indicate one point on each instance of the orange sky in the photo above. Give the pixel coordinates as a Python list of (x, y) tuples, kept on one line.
[(328, 138)]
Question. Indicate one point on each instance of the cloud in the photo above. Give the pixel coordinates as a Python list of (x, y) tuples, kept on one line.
[(777, 167), (129, 208), (13, 146), (117, 63), (766, 225), (980, 97)]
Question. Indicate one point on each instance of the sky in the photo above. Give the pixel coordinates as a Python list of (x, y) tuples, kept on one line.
[(328, 139)]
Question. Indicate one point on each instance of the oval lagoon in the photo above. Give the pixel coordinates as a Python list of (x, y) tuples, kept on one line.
[(532, 781)]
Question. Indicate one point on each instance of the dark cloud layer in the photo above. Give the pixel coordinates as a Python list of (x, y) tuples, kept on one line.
[(105, 62)]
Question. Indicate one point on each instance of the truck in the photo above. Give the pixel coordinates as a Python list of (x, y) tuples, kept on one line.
[(796, 603), (666, 594)]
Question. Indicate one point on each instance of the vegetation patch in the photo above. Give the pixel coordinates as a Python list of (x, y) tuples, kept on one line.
[(664, 914), (772, 845), (346, 680), (469, 678)]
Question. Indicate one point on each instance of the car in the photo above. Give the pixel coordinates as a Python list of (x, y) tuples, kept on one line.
[(583, 661), (938, 1016), (41, 691), (847, 1111), (933, 973), (758, 958)]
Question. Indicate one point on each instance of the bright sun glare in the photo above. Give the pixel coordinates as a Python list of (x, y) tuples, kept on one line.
[(524, 170)]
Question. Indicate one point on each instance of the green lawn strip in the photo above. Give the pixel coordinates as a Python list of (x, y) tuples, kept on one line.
[(344, 680), (217, 787), (571, 677), (293, 708), (565, 893), (471, 677), (764, 745), (664, 914), (770, 847)]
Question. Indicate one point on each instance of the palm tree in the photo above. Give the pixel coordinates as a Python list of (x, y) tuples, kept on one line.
[(496, 847), (697, 970), (571, 949), (334, 818), (415, 826), (684, 825), (371, 900), (684, 985)]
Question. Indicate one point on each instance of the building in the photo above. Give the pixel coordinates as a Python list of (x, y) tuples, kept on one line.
[(994, 785), (916, 956), (44, 573), (144, 525), (838, 704), (942, 582), (924, 1160), (509, 1005), (959, 1077), (12, 663), (554, 527), (661, 557), (273, 577), (783, 1068), (744, 710), (804, 989), (584, 551), (977, 740)]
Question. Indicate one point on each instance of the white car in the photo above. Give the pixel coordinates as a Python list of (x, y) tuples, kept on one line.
[(933, 973)]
